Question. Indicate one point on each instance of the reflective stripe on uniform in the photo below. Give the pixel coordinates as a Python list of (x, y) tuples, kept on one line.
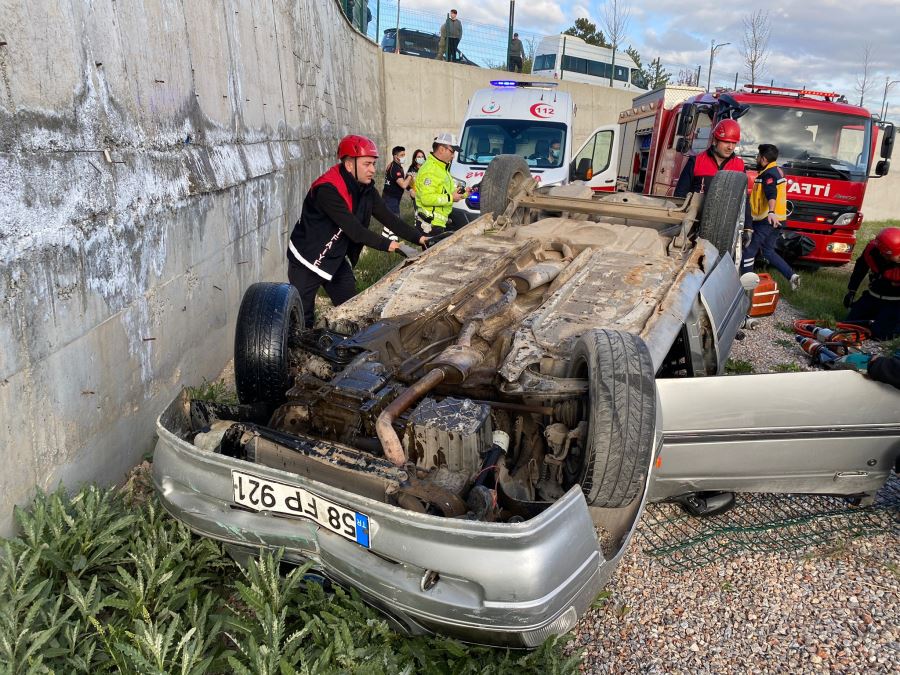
[(322, 273)]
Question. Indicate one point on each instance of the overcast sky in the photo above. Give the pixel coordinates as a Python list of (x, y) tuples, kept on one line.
[(816, 43)]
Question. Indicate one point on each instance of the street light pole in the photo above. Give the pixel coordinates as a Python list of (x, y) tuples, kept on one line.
[(712, 53), (887, 86), (512, 18)]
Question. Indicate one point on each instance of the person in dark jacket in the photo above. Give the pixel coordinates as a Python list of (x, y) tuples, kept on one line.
[(516, 54), (334, 226), (880, 303), (720, 156), (453, 30), (395, 182)]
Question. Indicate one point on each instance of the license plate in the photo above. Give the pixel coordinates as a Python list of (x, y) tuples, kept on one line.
[(262, 494)]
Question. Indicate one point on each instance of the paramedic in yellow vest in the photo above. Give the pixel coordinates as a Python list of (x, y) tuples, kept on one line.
[(768, 207), (436, 190)]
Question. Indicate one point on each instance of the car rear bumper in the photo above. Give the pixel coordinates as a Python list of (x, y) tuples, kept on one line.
[(499, 583)]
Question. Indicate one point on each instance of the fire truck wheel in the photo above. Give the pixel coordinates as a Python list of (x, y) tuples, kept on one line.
[(724, 206), (268, 322), (611, 465), (502, 179)]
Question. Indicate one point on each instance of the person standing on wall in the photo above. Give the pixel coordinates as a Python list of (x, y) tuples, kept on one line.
[(516, 54), (454, 34), (880, 302), (768, 209), (334, 226), (436, 190), (395, 182)]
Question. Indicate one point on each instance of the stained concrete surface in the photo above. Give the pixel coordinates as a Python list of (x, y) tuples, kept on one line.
[(153, 157)]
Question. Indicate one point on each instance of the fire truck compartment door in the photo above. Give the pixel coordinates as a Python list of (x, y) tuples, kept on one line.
[(824, 432)]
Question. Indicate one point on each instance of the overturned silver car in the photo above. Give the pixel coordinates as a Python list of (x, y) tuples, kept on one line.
[(468, 442)]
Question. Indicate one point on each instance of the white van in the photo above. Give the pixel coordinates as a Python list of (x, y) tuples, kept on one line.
[(535, 121), (566, 57)]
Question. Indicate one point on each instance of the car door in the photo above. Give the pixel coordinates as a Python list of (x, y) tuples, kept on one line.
[(825, 432), (599, 153)]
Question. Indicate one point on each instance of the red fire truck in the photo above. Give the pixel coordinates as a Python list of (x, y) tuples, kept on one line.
[(827, 148)]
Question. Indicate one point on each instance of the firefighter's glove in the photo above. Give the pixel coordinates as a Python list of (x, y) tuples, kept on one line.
[(848, 299), (855, 361)]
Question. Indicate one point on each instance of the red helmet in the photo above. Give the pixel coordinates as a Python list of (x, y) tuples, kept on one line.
[(888, 241), (728, 131), (357, 146)]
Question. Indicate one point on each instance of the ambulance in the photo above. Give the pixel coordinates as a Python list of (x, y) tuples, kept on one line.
[(536, 122)]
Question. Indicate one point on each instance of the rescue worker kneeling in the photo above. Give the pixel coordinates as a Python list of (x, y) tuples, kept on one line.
[(880, 303), (436, 190), (334, 226)]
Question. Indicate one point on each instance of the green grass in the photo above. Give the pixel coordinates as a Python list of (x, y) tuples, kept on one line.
[(106, 582), (786, 368), (822, 291), (738, 367), (217, 391)]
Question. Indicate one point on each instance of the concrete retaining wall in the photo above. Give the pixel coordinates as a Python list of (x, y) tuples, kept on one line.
[(153, 156), (424, 97)]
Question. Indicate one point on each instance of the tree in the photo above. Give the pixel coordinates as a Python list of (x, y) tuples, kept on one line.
[(653, 75), (657, 76), (688, 77), (530, 49), (755, 43), (864, 81), (616, 15), (588, 32)]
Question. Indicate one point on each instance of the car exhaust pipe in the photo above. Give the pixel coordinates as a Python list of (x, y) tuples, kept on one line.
[(384, 425)]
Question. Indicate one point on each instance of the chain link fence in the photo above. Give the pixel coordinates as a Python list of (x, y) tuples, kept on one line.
[(765, 523)]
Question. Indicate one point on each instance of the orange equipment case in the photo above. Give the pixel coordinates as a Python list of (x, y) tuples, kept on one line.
[(765, 296)]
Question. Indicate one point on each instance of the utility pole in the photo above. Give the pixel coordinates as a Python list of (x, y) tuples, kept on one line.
[(713, 47), (887, 86), (512, 18)]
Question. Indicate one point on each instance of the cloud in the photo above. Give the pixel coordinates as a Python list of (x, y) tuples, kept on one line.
[(816, 44)]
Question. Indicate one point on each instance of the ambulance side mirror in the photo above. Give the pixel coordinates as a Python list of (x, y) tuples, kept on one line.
[(583, 171), (882, 168)]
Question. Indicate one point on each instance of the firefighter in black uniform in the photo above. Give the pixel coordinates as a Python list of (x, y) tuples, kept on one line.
[(699, 169), (334, 226)]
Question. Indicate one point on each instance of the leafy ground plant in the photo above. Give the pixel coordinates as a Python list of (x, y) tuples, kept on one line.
[(106, 582)]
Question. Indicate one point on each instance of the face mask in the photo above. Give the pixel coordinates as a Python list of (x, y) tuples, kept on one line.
[(554, 154), (401, 158), (420, 160)]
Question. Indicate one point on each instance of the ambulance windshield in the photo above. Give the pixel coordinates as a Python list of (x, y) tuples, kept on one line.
[(542, 144)]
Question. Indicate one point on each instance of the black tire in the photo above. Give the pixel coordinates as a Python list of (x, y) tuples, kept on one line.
[(502, 179), (270, 319), (724, 206), (621, 411)]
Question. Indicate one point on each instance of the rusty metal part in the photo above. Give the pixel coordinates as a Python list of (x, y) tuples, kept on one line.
[(418, 495), (538, 275), (456, 362), (516, 407), (341, 467), (597, 207), (384, 426)]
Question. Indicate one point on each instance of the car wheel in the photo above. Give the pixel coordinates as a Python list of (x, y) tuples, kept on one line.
[(268, 323), (620, 409), (724, 208), (502, 179)]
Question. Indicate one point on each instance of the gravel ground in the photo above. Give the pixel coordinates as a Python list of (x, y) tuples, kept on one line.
[(832, 609)]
